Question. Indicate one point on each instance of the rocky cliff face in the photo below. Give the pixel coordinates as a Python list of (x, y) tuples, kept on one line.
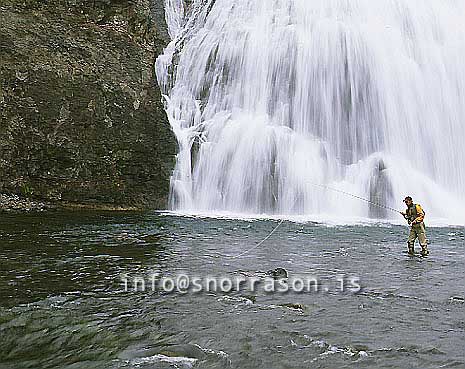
[(81, 115)]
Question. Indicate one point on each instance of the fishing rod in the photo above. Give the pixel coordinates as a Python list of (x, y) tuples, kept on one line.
[(282, 220)]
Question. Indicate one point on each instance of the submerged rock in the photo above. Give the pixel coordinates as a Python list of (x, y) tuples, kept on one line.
[(457, 299), (293, 306), (380, 191), (81, 117)]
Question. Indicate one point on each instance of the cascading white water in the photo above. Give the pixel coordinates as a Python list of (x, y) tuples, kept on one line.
[(270, 97)]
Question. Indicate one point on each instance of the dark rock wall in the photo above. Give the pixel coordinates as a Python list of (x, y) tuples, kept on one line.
[(81, 113)]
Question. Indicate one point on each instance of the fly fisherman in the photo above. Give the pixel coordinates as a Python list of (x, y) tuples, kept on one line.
[(415, 216)]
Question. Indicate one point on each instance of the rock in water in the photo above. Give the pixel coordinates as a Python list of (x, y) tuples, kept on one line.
[(380, 191), (278, 273)]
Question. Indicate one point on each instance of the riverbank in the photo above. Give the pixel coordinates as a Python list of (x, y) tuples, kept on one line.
[(17, 204)]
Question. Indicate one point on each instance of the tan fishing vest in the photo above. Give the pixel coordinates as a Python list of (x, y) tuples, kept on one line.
[(412, 213)]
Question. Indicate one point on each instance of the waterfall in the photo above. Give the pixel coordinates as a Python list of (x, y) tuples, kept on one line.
[(270, 97)]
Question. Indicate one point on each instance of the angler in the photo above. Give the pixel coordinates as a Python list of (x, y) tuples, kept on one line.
[(415, 216)]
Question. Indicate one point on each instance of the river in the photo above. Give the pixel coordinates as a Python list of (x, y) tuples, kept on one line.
[(63, 303)]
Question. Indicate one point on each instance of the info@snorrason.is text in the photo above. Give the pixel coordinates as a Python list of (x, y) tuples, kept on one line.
[(185, 283)]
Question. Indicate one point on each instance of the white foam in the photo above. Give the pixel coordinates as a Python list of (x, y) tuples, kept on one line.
[(185, 362), (322, 219)]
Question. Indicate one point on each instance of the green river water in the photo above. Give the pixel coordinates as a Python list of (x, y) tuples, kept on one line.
[(63, 303)]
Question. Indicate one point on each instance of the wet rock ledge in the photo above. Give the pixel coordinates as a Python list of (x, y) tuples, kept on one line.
[(81, 118)]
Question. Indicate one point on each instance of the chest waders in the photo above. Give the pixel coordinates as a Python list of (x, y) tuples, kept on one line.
[(416, 231)]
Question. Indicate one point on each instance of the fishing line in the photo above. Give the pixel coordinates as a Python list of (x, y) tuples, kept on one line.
[(354, 196), (257, 245), (282, 220)]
